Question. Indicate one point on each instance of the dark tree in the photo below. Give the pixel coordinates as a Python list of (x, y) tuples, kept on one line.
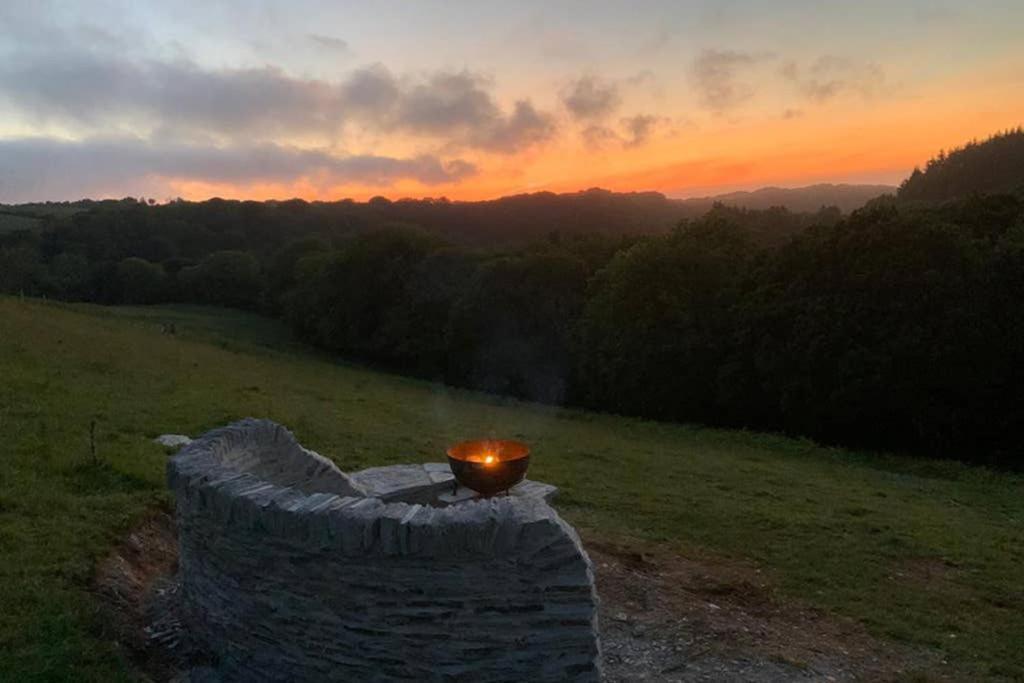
[(142, 282), (510, 332), (227, 278)]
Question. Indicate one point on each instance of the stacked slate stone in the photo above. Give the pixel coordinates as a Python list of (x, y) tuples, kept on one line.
[(290, 571)]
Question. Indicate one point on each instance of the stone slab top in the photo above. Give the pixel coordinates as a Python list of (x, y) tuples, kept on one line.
[(433, 483)]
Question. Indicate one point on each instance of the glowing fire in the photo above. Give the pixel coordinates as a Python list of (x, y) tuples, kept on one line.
[(485, 458), (488, 466)]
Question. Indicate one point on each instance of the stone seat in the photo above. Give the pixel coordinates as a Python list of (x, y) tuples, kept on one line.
[(292, 570)]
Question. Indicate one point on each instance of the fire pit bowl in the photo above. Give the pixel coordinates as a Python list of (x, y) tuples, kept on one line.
[(489, 466)]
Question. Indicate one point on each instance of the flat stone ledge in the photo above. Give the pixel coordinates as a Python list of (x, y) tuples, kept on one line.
[(173, 440), (433, 484)]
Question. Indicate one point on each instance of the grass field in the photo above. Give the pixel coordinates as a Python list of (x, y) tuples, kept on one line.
[(842, 531)]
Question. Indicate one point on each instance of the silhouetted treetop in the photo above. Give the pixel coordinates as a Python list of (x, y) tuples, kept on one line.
[(995, 165)]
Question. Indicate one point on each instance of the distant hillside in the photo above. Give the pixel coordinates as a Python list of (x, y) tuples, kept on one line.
[(993, 166), (16, 217), (509, 220), (527, 217), (811, 198)]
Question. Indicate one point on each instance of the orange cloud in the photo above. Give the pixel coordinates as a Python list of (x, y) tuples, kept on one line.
[(878, 140)]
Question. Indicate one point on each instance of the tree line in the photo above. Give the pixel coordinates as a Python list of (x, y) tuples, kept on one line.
[(900, 326), (992, 166)]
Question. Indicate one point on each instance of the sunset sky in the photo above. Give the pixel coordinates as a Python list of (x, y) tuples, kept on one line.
[(469, 100)]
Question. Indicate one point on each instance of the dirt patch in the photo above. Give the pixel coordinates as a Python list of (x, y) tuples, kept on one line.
[(136, 584), (663, 618), (669, 618)]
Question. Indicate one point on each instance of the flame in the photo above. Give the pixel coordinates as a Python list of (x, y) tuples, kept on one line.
[(488, 459)]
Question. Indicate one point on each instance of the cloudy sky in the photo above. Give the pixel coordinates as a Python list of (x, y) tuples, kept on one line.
[(331, 99)]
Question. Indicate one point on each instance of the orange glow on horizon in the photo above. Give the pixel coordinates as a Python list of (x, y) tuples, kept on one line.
[(871, 142)]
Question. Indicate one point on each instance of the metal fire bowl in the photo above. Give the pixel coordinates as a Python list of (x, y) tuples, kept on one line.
[(511, 460)]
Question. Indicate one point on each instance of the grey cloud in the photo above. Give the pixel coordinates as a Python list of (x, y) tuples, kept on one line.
[(38, 168), (599, 137), (102, 92), (457, 105), (591, 98), (636, 130), (329, 43), (526, 126), (639, 128), (829, 76), (715, 73), (447, 101), (371, 90), (42, 24)]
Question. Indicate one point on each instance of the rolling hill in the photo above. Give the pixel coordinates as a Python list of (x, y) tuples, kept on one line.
[(923, 552), (811, 198)]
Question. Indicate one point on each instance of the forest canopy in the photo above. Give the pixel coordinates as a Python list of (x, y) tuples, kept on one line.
[(992, 166)]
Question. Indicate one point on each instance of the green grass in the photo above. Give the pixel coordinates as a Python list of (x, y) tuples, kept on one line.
[(835, 529)]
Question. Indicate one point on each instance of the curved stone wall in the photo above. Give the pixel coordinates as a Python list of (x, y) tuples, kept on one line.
[(290, 572)]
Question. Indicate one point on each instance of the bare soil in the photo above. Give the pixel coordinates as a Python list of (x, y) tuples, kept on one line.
[(669, 618), (663, 618), (137, 585)]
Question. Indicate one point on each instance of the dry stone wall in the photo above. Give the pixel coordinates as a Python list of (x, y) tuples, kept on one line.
[(290, 572)]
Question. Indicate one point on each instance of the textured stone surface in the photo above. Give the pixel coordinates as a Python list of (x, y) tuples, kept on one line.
[(432, 483), (290, 571), (403, 482)]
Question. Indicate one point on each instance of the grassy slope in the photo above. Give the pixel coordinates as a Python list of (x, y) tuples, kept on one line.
[(838, 530)]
